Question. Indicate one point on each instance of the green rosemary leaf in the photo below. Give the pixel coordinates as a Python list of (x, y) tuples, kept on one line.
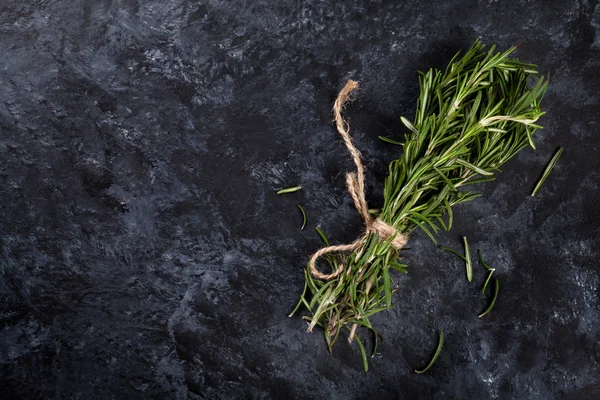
[(388, 140), (445, 178), (453, 252), (547, 170), (468, 263), (496, 289), (480, 180), (449, 211), (323, 236), (289, 190), (409, 125), (387, 286), (530, 137), (420, 225), (486, 267), (303, 216), (483, 263), (399, 267), (473, 167), (425, 220), (352, 293), (363, 353), (487, 281), (323, 304), (435, 356), (371, 246), (441, 222), (465, 197), (301, 298), (320, 293), (313, 285), (372, 312)]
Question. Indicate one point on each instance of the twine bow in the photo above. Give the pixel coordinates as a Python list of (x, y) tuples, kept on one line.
[(355, 181)]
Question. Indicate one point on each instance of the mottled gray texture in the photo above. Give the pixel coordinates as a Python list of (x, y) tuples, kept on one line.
[(144, 253)]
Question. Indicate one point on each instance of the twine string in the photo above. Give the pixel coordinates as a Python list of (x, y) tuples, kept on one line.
[(355, 181)]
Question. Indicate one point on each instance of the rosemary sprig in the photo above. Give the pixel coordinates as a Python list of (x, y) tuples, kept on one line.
[(470, 119)]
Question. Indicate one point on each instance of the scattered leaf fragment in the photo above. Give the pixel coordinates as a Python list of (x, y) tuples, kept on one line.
[(289, 190), (496, 289), (547, 170), (435, 356), (468, 263), (303, 216)]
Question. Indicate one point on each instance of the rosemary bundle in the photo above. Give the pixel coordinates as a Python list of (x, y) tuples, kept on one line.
[(470, 119)]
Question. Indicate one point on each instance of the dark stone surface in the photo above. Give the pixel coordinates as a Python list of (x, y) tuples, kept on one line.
[(144, 253)]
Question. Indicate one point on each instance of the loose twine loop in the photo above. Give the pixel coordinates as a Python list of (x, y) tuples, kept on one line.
[(355, 181)]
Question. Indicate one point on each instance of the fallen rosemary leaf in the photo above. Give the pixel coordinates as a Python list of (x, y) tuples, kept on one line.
[(486, 267), (496, 289), (454, 252), (303, 216), (470, 119), (289, 190), (322, 236), (468, 262), (547, 170), (435, 356)]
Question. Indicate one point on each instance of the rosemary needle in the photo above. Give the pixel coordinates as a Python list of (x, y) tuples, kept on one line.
[(454, 252), (322, 236), (303, 216), (435, 356), (363, 354), (547, 170), (388, 140), (496, 289), (289, 190), (468, 263), (486, 267), (487, 281)]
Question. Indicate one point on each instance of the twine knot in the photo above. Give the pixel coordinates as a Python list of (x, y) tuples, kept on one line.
[(355, 181)]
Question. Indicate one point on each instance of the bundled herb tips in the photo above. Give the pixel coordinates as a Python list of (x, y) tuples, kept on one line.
[(470, 119)]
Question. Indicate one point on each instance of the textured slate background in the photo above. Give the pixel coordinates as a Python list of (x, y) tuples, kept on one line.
[(144, 253)]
